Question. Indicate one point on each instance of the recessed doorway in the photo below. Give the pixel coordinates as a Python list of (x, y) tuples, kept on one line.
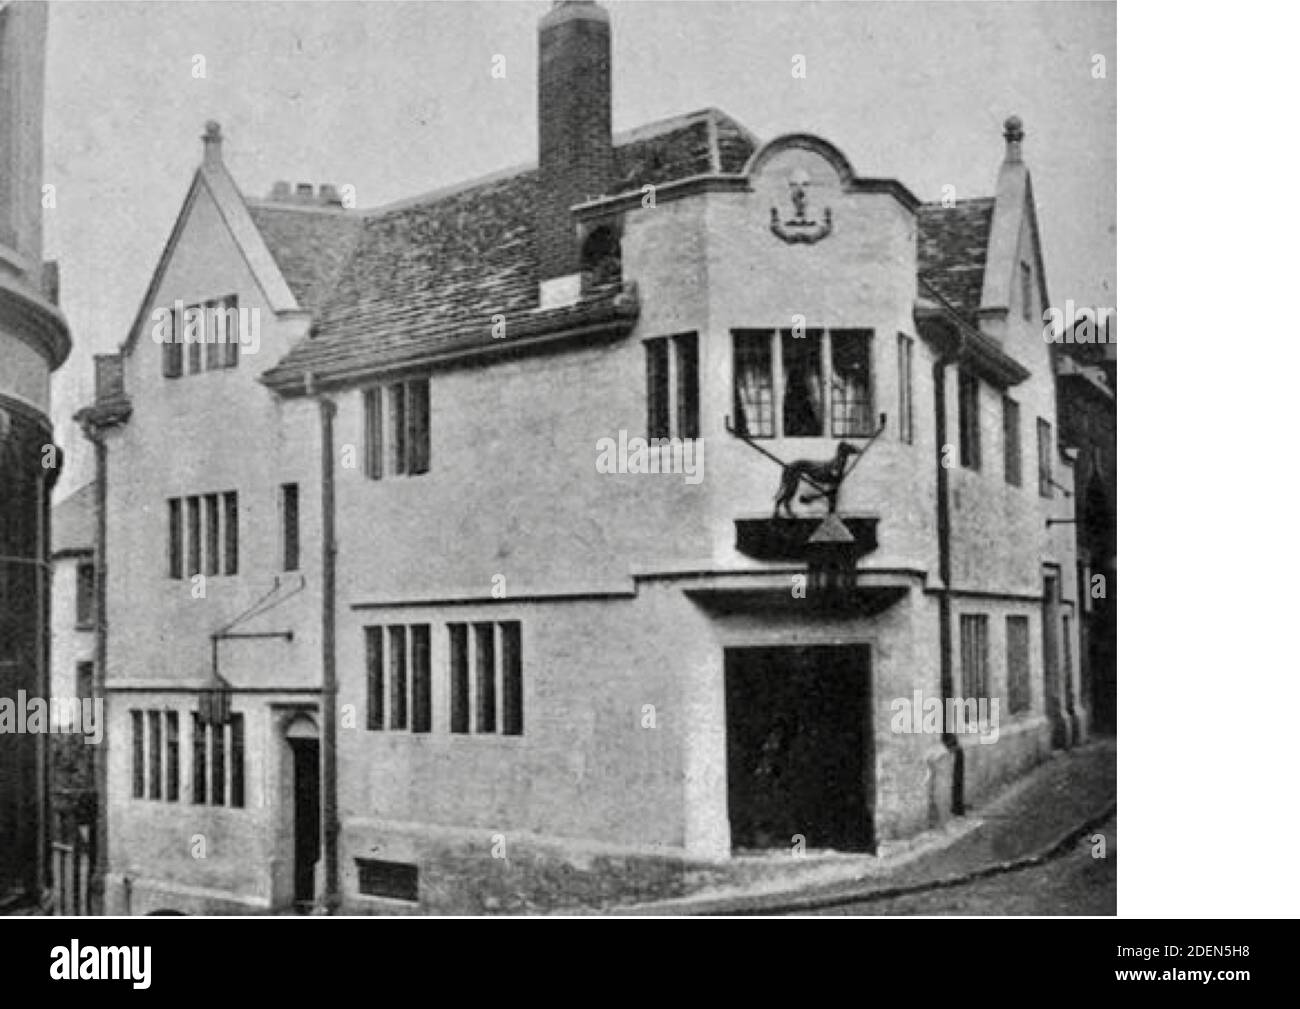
[(799, 747)]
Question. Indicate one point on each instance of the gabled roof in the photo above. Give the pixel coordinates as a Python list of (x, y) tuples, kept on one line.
[(952, 247), (72, 522), (213, 178), (426, 276)]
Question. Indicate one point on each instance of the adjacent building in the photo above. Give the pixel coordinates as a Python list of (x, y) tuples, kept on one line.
[(34, 341), (72, 605), (454, 554), (1086, 391)]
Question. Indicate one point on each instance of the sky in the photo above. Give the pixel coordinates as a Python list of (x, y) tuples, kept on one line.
[(397, 99)]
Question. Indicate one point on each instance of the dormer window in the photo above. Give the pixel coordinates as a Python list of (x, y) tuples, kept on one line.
[(602, 261)]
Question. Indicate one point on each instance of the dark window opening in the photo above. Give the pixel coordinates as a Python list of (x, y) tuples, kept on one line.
[(226, 313), (968, 417), (485, 678), (196, 348), (85, 679), (175, 539), (421, 679), (155, 754), (688, 385), (753, 396), (512, 680), (85, 594), (602, 260), (199, 762), (194, 532), (905, 388), (237, 760), (137, 754), (975, 657), (232, 532), (418, 436), (1017, 664), (1044, 458), (212, 562), (397, 677), (458, 666), (396, 880), (289, 520), (852, 410), (657, 405), (374, 677), (374, 412), (801, 363), (1011, 440), (397, 425), (173, 756), (173, 357), (218, 765)]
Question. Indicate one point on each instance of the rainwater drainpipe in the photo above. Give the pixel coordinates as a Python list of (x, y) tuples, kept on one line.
[(99, 754), (331, 899), (945, 577)]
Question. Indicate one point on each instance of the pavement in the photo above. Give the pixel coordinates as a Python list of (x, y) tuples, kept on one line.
[(1049, 815), (1081, 881), (1030, 850)]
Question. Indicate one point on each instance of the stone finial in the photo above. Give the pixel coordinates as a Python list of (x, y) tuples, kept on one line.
[(211, 142), (1013, 131)]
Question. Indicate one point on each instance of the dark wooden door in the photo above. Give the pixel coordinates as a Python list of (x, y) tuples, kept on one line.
[(799, 747), (306, 817)]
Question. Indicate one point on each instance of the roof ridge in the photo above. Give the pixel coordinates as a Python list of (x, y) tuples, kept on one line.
[(341, 213), (645, 131), (454, 189), (666, 125), (939, 204)]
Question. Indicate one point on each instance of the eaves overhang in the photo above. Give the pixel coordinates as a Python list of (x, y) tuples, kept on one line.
[(611, 316), (965, 342)]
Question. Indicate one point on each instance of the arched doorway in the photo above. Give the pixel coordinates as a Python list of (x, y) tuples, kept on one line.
[(303, 738)]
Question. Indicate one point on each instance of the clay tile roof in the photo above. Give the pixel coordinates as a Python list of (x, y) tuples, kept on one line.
[(952, 243), (311, 245), (431, 272)]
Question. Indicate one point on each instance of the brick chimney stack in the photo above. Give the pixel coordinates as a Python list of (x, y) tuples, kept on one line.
[(576, 148)]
